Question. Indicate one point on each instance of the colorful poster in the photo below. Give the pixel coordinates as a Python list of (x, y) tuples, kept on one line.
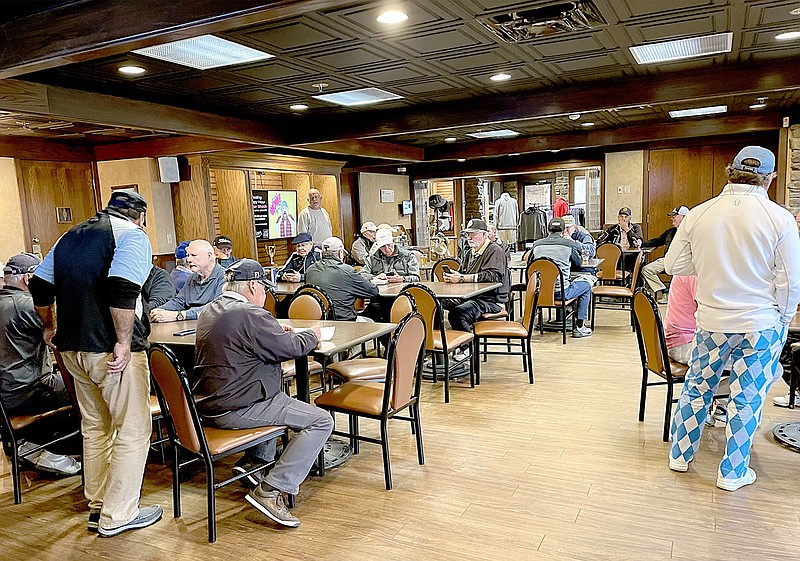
[(282, 214), (261, 214)]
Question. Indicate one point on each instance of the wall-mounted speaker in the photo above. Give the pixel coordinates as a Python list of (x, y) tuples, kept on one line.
[(168, 170)]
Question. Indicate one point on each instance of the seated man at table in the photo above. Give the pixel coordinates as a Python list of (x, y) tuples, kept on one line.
[(202, 286), (223, 249), (565, 251), (585, 241), (651, 271), (483, 261), (391, 264), (238, 356), (305, 255), (362, 247), (339, 281)]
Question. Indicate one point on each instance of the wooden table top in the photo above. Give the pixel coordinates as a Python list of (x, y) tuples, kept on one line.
[(347, 334), (460, 291)]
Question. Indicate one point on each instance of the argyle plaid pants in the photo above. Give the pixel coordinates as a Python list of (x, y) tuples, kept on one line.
[(754, 367)]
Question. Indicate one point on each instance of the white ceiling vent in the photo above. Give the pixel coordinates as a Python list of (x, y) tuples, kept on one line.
[(562, 17)]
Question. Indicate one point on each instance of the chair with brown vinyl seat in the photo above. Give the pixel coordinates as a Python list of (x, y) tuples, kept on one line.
[(305, 306), (438, 268), (271, 303), (653, 353), (385, 400), (499, 329), (618, 292), (607, 272), (327, 304), (192, 440), (438, 340), (371, 368), (549, 274)]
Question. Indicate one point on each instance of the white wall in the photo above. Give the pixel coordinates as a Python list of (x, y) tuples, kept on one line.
[(12, 240), (624, 171)]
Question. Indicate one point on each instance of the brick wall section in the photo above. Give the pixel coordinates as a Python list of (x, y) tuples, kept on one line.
[(471, 206), (793, 201), (562, 184)]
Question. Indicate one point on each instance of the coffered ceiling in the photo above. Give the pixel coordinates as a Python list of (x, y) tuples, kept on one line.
[(439, 60)]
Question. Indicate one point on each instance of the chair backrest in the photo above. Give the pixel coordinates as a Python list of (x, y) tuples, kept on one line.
[(531, 300), (636, 267), (438, 268), (428, 307), (650, 333), (271, 303), (175, 397), (327, 303), (403, 305), (307, 306), (549, 274), (404, 362), (611, 254)]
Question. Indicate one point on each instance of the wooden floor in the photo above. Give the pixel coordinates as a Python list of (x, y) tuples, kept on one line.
[(558, 470)]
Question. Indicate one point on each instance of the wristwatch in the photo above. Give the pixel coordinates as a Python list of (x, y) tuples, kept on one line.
[(181, 316)]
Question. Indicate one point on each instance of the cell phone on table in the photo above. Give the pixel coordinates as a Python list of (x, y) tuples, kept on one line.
[(447, 269), (184, 332)]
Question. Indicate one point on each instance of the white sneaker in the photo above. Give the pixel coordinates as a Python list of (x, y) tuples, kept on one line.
[(58, 464), (679, 464), (733, 484), (461, 355), (579, 332), (783, 400), (26, 447)]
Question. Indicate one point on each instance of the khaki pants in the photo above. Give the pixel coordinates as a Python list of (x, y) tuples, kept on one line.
[(116, 425), (650, 273), (508, 236)]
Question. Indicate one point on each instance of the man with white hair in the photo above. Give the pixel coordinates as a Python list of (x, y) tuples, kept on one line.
[(202, 286), (314, 219), (743, 249), (339, 281)]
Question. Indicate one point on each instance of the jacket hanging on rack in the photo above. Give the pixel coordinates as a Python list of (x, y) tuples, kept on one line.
[(561, 207), (533, 224)]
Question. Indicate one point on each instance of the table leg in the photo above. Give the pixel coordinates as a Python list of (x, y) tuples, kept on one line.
[(301, 378)]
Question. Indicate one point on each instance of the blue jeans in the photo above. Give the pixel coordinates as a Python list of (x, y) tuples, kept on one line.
[(581, 290)]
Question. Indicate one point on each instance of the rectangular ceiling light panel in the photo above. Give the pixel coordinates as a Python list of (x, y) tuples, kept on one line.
[(354, 98), (502, 133), (697, 111), (204, 52), (683, 48)]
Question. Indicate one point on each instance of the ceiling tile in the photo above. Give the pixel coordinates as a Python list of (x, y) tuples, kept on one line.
[(351, 58), (440, 41), (393, 75), (292, 36), (270, 71)]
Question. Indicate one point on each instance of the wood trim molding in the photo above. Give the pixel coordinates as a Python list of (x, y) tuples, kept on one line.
[(34, 149), (255, 160)]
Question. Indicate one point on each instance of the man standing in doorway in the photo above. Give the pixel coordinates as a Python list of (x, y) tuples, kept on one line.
[(314, 219), (94, 274), (743, 249)]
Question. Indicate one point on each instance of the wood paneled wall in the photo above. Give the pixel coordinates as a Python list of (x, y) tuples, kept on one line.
[(350, 220), (47, 185), (193, 205), (234, 209)]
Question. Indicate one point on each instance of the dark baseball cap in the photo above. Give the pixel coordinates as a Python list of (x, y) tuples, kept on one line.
[(127, 199), (476, 225), (302, 237), (245, 270), (21, 263), (182, 250), (556, 225), (625, 210), (222, 241)]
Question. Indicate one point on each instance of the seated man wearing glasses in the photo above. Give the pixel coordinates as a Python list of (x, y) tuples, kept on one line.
[(238, 356)]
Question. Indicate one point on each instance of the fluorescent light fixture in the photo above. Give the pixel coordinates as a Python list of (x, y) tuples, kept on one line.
[(697, 111), (789, 35), (502, 77), (392, 16), (514, 154), (298, 107), (204, 52), (131, 70), (587, 124), (461, 160), (450, 139), (758, 106), (353, 98), (680, 49), (502, 133)]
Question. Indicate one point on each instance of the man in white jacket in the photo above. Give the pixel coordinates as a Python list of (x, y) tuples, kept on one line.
[(744, 250)]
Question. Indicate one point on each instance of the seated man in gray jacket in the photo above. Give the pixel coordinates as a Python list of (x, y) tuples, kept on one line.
[(391, 264), (339, 281)]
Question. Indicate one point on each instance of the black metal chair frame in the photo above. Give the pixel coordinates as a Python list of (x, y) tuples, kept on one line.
[(565, 304)]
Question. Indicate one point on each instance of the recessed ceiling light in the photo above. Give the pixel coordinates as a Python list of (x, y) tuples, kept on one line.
[(514, 154), (697, 111), (450, 139), (204, 52), (683, 48), (788, 35), (555, 150), (587, 124), (502, 77), (298, 107), (758, 105), (462, 160), (502, 133), (574, 116), (392, 16), (131, 70), (353, 98)]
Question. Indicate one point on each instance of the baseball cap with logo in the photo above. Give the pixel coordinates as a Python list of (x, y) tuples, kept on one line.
[(369, 227), (245, 270), (569, 221), (476, 225), (556, 225), (21, 263), (383, 237), (679, 210), (754, 159), (127, 199), (222, 241), (625, 210), (332, 244)]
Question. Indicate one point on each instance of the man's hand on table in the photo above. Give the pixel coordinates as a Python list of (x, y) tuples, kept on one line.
[(162, 316)]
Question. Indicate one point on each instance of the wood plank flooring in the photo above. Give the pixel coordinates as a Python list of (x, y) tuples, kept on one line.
[(558, 470)]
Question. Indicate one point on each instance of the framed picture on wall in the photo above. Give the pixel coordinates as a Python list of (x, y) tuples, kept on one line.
[(132, 187), (282, 214), (64, 214)]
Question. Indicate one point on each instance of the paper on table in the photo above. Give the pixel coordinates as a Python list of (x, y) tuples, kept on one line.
[(327, 333), (378, 282)]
